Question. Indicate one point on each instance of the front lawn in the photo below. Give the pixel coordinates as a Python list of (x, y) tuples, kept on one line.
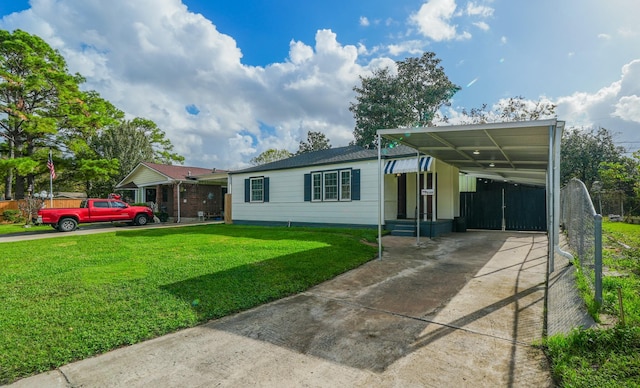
[(72, 297), (607, 357)]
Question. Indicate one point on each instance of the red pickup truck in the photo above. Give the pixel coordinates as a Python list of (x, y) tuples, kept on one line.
[(95, 210)]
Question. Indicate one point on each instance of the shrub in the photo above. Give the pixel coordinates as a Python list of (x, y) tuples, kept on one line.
[(12, 215)]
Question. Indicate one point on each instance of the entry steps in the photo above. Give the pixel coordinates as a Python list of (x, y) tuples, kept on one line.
[(401, 228)]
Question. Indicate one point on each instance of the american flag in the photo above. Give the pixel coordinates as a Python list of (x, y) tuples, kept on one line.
[(52, 169)]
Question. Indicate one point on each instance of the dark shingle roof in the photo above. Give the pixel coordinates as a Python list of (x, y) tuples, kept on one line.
[(330, 156), (178, 172)]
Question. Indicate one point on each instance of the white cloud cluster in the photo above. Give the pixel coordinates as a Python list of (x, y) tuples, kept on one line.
[(155, 59), (434, 19), (615, 107)]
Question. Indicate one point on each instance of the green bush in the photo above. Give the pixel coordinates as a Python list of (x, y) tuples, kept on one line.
[(139, 204), (162, 216), (12, 215)]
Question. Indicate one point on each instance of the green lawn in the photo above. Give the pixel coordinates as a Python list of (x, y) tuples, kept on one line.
[(6, 228), (72, 297), (607, 357)]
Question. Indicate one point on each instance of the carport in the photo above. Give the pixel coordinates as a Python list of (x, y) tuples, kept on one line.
[(525, 152)]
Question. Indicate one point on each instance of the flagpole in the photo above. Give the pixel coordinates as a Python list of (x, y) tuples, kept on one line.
[(50, 182)]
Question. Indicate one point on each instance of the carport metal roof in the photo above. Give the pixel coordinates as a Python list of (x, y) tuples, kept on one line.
[(512, 151), (520, 151)]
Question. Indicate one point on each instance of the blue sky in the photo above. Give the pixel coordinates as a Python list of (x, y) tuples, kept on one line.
[(227, 80)]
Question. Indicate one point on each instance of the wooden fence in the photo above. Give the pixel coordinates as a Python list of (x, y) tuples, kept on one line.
[(57, 203)]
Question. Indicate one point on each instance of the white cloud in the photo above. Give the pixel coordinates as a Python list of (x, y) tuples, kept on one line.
[(433, 20), (364, 21), (604, 36), (152, 58), (615, 107), (503, 40), (474, 9), (482, 25)]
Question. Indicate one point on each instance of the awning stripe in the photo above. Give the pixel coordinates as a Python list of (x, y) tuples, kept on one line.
[(399, 166)]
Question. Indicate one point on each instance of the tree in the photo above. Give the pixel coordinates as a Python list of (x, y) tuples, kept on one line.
[(270, 155), (511, 109), (126, 144), (41, 107), (316, 141), (409, 98), (583, 151)]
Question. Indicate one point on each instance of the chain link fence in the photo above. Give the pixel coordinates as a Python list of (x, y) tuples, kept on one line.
[(583, 227)]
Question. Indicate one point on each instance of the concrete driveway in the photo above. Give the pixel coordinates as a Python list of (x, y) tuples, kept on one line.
[(459, 310)]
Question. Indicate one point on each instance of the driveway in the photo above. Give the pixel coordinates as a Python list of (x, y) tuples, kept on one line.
[(459, 310)]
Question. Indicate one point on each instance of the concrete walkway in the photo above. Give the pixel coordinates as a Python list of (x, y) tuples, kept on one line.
[(460, 310)]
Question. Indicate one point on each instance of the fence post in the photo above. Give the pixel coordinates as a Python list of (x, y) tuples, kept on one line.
[(597, 230)]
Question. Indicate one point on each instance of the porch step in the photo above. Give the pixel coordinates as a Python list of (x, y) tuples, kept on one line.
[(403, 230)]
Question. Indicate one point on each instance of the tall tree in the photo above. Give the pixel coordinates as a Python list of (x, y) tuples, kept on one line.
[(409, 98), (510, 109), (270, 155), (316, 141), (129, 143), (583, 151), (41, 107)]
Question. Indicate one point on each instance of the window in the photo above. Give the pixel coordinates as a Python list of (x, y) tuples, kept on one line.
[(341, 185), (345, 185), (331, 186), (257, 190), (316, 182)]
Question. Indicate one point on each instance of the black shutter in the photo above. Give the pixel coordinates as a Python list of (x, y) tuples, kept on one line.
[(307, 187), (247, 190), (355, 185), (265, 182)]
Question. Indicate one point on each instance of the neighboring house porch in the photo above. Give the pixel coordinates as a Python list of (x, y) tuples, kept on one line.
[(178, 191)]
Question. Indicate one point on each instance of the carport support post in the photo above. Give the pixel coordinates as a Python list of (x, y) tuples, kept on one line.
[(380, 204), (418, 197)]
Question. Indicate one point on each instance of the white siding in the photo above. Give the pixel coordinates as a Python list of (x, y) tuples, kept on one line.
[(286, 198), (145, 176)]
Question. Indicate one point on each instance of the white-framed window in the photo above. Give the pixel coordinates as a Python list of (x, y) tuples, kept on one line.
[(257, 189), (345, 185), (330, 185), (316, 186)]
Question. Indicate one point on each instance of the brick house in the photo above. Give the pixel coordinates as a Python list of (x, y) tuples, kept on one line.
[(179, 191)]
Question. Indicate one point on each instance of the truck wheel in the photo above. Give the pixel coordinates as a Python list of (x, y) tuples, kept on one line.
[(67, 225), (141, 219)]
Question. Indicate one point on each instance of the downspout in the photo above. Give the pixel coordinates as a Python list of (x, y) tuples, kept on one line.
[(418, 197), (380, 204), (178, 190), (556, 197)]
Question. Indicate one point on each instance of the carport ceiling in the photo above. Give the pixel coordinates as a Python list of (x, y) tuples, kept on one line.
[(514, 151)]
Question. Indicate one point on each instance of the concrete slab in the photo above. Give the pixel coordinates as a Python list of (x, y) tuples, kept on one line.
[(459, 310)]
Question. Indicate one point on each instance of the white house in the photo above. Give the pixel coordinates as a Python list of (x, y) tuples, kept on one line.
[(339, 187)]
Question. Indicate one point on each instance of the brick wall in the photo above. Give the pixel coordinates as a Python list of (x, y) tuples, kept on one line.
[(198, 197)]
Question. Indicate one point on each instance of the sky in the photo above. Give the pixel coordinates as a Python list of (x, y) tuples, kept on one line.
[(227, 80)]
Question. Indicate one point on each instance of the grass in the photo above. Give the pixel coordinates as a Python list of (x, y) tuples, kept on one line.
[(606, 357), (6, 228), (72, 297)]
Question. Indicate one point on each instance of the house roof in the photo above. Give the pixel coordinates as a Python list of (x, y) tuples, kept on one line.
[(165, 173), (329, 156), (512, 151), (178, 172)]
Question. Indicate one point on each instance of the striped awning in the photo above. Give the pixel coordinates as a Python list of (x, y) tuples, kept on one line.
[(399, 166)]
